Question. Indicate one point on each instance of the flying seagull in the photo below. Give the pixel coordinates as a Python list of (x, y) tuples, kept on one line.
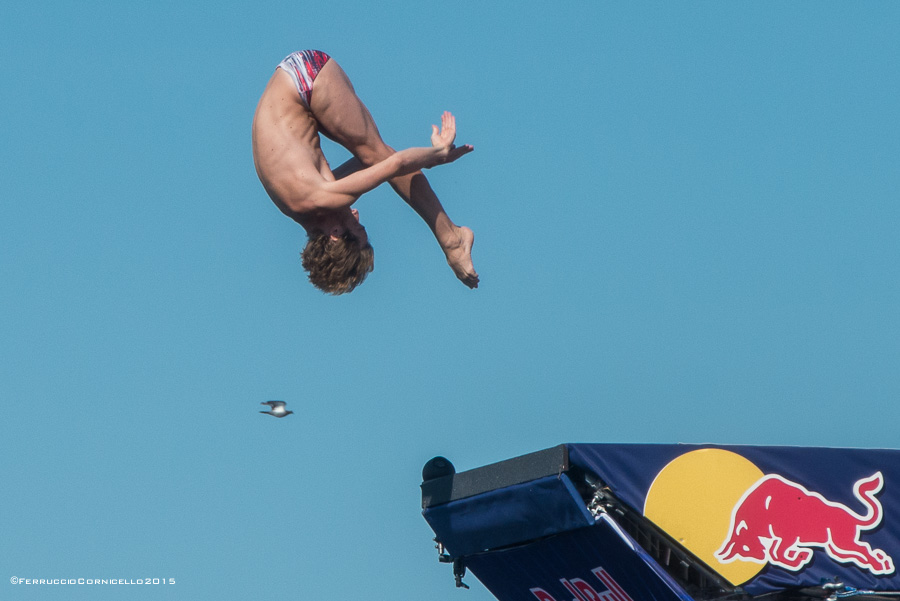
[(276, 408)]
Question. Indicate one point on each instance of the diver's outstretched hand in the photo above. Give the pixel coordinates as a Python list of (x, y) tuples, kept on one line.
[(442, 140)]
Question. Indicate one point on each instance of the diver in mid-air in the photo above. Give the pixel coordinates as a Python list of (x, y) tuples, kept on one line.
[(310, 94)]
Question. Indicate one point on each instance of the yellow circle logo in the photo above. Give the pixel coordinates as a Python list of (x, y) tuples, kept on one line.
[(691, 499)]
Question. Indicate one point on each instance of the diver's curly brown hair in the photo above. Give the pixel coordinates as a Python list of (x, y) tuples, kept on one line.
[(337, 266)]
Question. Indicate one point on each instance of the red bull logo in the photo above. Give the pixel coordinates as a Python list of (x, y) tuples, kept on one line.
[(781, 522)]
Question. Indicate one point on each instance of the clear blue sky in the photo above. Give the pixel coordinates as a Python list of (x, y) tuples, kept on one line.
[(686, 220)]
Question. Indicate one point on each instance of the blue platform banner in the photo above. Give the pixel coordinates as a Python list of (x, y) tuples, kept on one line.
[(596, 563), (766, 519), (509, 515)]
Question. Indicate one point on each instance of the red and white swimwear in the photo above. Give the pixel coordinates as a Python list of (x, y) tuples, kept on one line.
[(303, 66)]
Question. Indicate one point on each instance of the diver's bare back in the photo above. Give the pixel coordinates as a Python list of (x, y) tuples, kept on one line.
[(286, 148)]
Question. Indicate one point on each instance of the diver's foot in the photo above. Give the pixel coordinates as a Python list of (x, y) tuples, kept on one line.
[(459, 256)]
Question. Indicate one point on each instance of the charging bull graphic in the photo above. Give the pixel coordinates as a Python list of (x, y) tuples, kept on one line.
[(779, 521)]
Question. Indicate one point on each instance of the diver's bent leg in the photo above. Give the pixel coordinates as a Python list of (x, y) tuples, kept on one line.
[(343, 117)]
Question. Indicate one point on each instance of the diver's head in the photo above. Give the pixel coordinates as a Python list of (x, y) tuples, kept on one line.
[(338, 256)]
